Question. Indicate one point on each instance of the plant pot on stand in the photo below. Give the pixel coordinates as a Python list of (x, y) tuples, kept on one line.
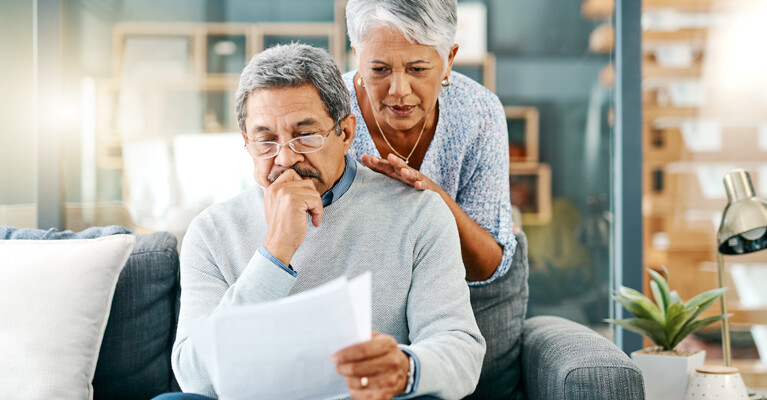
[(666, 321), (666, 373)]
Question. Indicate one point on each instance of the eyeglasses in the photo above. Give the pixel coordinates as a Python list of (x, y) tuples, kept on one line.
[(309, 143)]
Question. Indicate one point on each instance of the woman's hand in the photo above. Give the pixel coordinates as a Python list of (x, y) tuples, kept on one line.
[(396, 168)]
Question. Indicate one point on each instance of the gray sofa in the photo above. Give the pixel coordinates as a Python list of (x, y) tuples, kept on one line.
[(553, 357)]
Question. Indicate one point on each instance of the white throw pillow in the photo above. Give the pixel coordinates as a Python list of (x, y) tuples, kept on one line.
[(55, 297)]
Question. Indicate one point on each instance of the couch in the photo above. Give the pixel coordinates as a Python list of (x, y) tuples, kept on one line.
[(559, 359)]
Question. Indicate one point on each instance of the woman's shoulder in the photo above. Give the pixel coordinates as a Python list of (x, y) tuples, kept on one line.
[(348, 79), (465, 97)]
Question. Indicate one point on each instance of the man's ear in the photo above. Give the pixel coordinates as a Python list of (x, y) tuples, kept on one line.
[(354, 51), (244, 137), (349, 128)]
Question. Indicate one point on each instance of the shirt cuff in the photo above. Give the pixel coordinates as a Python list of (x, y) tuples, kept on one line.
[(417, 365), (276, 261)]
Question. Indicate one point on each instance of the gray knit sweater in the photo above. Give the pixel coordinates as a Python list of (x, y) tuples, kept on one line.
[(407, 239)]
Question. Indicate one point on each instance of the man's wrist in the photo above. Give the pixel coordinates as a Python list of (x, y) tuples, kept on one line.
[(279, 252), (410, 375)]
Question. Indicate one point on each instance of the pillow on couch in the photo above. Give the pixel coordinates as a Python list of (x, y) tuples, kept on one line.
[(55, 298)]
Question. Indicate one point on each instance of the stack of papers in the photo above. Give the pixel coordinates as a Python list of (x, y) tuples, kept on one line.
[(282, 349)]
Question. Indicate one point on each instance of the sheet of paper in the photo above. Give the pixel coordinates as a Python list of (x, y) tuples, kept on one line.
[(282, 349)]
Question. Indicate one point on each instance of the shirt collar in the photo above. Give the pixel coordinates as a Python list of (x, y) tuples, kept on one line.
[(343, 184)]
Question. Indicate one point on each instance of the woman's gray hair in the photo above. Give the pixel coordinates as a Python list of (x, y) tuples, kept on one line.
[(428, 22), (294, 65)]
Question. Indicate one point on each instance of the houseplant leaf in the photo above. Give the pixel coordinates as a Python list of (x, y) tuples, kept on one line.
[(644, 327), (659, 299), (694, 326), (662, 287), (651, 310)]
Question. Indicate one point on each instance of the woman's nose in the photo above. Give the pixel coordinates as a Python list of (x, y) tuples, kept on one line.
[(400, 85)]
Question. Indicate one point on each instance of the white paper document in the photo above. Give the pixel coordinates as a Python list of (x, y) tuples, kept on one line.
[(282, 349)]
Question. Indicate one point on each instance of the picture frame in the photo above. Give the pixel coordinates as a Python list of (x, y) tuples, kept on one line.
[(530, 191), (471, 32), (482, 71), (147, 51), (319, 34), (227, 48), (523, 129)]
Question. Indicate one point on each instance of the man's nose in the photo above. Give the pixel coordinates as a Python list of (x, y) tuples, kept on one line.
[(286, 157), (400, 85)]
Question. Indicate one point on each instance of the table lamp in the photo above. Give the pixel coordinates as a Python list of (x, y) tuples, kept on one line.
[(743, 230)]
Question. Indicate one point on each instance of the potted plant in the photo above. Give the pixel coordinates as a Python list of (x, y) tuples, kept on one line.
[(666, 321)]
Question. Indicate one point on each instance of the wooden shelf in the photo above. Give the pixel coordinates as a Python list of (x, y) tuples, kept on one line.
[(688, 35), (694, 5), (651, 69)]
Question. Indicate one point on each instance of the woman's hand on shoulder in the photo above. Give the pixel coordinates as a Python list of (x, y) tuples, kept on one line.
[(396, 168)]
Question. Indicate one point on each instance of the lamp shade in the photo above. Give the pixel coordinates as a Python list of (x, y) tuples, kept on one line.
[(744, 222)]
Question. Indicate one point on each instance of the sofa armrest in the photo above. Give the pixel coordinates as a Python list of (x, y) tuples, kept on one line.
[(562, 359)]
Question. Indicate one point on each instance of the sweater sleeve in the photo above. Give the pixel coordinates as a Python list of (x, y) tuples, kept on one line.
[(484, 194), (443, 333), (204, 291)]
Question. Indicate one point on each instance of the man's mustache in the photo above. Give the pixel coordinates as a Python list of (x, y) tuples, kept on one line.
[(302, 172)]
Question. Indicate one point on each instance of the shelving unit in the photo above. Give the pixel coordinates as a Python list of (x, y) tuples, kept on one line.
[(688, 147)]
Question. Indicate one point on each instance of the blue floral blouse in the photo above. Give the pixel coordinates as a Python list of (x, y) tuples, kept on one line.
[(468, 157)]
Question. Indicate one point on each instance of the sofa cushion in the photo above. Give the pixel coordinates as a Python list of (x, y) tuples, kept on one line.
[(54, 301), (134, 362), (499, 308)]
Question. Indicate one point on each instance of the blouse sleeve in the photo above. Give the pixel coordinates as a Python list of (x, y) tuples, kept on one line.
[(484, 189)]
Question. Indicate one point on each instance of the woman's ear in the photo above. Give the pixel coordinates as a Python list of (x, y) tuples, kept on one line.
[(450, 59)]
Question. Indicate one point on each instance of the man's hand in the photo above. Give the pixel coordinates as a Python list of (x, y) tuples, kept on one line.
[(376, 369), (286, 202)]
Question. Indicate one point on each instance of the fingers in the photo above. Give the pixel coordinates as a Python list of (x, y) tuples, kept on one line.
[(377, 346), (378, 165), (376, 369)]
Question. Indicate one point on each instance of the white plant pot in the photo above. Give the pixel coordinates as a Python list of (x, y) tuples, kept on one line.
[(666, 376)]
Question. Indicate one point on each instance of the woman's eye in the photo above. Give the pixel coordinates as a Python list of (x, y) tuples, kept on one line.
[(379, 69), (417, 69)]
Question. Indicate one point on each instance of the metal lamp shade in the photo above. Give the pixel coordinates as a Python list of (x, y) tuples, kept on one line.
[(744, 222)]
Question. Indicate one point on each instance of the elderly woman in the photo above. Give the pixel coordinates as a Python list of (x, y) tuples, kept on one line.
[(436, 130)]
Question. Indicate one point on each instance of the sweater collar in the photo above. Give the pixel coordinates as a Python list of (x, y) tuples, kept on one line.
[(343, 184)]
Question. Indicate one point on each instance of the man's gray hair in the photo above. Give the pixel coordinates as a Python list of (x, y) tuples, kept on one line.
[(294, 65), (428, 22)]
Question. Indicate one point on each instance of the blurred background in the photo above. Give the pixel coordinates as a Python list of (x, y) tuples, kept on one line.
[(121, 112)]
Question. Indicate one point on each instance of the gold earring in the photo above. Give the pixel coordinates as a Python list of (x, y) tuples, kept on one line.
[(446, 81), (359, 82)]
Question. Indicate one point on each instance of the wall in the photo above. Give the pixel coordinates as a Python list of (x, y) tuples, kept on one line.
[(17, 118)]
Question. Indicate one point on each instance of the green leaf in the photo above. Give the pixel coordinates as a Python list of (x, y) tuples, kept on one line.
[(633, 307), (658, 299), (694, 326), (706, 298), (662, 286), (673, 310), (677, 323), (675, 297), (644, 327), (642, 301)]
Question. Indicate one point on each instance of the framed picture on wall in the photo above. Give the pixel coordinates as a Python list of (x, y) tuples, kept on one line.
[(148, 51), (226, 48), (482, 70), (522, 123), (318, 34), (530, 191)]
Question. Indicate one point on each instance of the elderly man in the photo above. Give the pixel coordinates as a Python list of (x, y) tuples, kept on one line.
[(294, 113)]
